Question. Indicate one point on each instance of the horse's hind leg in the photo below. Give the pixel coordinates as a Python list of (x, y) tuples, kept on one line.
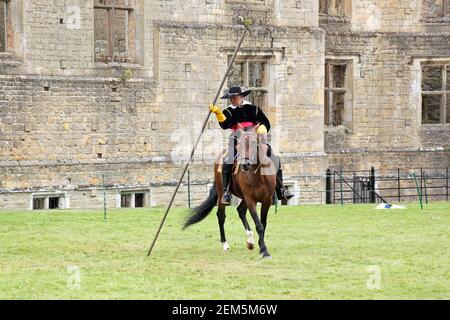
[(242, 209), (221, 219)]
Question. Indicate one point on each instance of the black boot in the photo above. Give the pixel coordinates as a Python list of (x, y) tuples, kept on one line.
[(226, 178), (282, 192)]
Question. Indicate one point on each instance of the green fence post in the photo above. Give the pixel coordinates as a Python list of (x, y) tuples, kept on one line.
[(418, 190), (425, 186), (189, 188), (104, 197), (340, 186)]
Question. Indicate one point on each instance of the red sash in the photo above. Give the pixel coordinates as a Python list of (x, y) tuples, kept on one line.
[(244, 124)]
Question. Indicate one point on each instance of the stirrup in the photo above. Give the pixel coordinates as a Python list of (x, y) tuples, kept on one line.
[(286, 194), (226, 199)]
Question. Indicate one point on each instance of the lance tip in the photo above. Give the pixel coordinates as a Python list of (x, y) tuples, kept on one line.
[(247, 22)]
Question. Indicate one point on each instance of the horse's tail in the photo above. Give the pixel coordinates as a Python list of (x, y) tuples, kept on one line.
[(201, 212)]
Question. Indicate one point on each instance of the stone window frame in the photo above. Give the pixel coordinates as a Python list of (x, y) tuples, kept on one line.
[(444, 92), (444, 17), (7, 26), (110, 7), (351, 64), (133, 192), (257, 2), (445, 8), (63, 200), (264, 58), (14, 54), (336, 18), (4, 22)]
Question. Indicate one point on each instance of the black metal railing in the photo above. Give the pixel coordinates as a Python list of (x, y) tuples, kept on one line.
[(369, 186)]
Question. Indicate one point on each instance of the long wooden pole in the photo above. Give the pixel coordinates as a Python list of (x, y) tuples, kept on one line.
[(205, 122)]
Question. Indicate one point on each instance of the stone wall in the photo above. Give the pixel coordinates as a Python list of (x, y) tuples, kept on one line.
[(387, 41), (386, 90), (74, 126)]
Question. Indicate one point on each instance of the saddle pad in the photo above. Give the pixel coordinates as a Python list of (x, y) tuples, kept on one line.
[(265, 170)]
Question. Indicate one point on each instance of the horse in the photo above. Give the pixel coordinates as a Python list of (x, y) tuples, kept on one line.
[(253, 181)]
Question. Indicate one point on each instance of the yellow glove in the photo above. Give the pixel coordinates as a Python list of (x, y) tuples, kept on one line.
[(262, 129), (216, 110)]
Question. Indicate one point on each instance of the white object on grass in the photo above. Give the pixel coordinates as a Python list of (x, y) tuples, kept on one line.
[(389, 206)]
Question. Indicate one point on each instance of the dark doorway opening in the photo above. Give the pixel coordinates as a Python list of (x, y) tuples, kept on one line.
[(53, 203), (139, 200)]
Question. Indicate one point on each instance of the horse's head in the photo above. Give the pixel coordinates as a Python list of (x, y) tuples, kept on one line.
[(247, 146)]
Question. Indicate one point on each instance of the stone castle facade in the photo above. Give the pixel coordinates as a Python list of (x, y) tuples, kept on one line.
[(99, 97)]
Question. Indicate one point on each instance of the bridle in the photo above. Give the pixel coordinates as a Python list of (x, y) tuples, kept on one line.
[(248, 140)]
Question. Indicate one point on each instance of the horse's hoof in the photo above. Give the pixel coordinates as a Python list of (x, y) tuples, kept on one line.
[(250, 246), (225, 246), (266, 255)]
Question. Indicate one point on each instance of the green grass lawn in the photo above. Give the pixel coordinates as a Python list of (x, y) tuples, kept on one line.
[(319, 252)]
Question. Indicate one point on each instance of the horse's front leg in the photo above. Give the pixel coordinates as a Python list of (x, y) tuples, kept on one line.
[(221, 219), (242, 209), (259, 228), (264, 213)]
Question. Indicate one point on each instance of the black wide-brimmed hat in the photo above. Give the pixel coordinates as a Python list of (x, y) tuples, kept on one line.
[(235, 91)]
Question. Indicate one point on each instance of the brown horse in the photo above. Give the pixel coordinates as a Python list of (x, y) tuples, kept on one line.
[(254, 181)]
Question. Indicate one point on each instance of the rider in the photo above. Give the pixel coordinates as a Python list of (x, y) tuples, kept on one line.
[(246, 114)]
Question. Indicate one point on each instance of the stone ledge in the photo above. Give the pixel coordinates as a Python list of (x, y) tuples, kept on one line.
[(114, 64), (434, 127), (374, 34), (436, 20), (208, 161), (299, 155), (326, 19), (74, 79), (157, 159), (46, 163), (388, 150), (8, 59), (65, 188), (223, 27)]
